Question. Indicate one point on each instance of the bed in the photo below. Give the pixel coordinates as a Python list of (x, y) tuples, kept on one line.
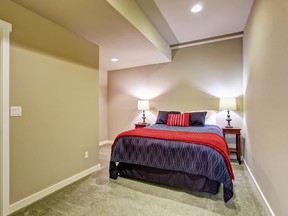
[(189, 156)]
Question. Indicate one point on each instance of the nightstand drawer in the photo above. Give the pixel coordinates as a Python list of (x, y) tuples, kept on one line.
[(231, 130), (141, 125)]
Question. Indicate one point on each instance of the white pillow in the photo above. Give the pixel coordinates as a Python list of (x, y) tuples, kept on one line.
[(211, 116)]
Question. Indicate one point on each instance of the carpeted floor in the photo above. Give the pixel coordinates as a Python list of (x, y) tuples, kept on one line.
[(97, 195)]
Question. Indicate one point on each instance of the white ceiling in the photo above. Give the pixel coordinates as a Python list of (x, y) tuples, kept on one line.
[(98, 22), (217, 18)]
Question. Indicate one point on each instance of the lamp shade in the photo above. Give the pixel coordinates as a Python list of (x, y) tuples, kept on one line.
[(227, 104), (143, 105)]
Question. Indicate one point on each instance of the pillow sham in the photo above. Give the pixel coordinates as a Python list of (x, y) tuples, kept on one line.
[(163, 116), (197, 119), (178, 119), (211, 116)]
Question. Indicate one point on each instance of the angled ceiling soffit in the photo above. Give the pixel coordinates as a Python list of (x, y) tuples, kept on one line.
[(133, 13)]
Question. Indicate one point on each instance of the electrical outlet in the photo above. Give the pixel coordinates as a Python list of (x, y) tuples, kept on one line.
[(86, 155)]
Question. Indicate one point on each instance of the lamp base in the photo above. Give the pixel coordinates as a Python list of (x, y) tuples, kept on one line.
[(228, 120), (143, 117)]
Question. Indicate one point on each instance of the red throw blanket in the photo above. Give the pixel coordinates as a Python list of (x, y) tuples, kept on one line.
[(205, 138)]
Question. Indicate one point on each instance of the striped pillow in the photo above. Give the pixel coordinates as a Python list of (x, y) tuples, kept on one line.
[(178, 119)]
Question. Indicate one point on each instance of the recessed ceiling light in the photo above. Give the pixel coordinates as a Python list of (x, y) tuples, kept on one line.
[(196, 8), (114, 59)]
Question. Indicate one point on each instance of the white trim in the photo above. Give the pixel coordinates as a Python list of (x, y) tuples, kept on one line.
[(34, 197), (258, 187), (207, 42), (5, 29), (5, 26), (105, 142)]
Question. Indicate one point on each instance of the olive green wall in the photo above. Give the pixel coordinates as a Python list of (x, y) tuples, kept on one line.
[(196, 78), (265, 101), (54, 77)]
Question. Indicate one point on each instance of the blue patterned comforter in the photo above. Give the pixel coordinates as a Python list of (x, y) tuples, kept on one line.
[(174, 155), (207, 128)]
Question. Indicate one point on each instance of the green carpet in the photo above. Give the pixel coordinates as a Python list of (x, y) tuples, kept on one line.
[(98, 195)]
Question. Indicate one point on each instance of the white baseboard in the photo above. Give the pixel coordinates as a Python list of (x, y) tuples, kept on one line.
[(34, 197), (105, 142), (258, 187)]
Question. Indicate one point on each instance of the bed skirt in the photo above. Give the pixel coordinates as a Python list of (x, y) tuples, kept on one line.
[(177, 179)]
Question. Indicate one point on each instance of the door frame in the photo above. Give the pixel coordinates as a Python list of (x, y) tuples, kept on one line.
[(5, 29)]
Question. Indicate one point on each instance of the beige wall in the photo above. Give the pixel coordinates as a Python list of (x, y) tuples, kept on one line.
[(196, 78), (103, 105), (266, 102), (54, 77)]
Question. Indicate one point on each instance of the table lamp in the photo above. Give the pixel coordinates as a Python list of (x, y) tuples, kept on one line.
[(143, 105), (227, 104)]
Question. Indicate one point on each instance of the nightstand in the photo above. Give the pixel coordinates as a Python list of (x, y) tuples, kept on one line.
[(237, 132), (141, 125)]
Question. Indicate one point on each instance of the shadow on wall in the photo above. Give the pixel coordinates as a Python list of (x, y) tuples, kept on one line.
[(184, 98)]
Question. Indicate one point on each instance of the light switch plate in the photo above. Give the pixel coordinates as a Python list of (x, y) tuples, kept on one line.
[(16, 111)]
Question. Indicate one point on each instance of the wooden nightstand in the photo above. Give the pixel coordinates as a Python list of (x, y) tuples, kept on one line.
[(141, 125), (237, 132)]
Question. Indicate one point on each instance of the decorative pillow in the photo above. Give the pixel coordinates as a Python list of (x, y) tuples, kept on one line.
[(197, 118), (178, 119), (163, 116), (210, 118)]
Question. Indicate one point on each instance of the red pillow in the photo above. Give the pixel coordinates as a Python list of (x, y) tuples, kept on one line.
[(178, 119)]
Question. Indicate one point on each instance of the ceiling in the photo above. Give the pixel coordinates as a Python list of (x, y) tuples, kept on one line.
[(99, 22)]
